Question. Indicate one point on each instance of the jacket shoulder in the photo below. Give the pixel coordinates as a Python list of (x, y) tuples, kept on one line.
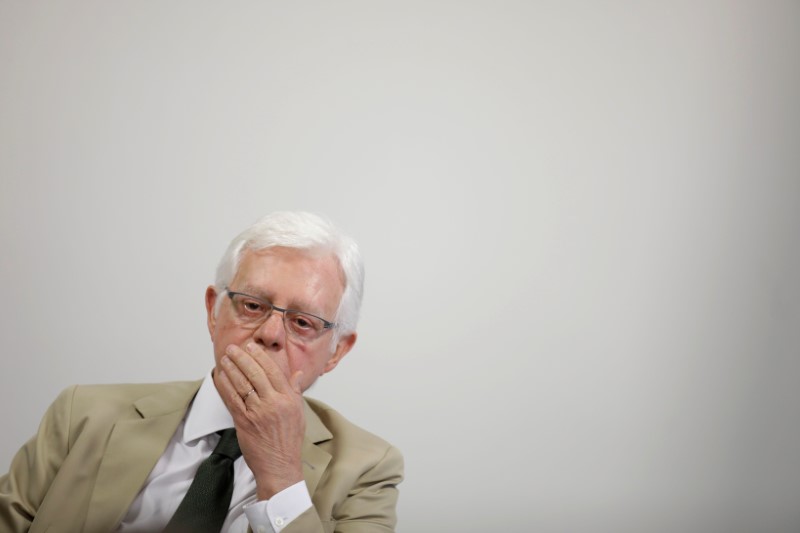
[(345, 435), (100, 404), (130, 392)]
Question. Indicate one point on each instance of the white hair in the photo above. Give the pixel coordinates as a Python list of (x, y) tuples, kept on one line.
[(304, 231)]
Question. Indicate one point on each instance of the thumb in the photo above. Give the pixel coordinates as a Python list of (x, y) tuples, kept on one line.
[(297, 380)]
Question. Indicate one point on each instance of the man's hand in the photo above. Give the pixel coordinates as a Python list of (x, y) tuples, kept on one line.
[(270, 421)]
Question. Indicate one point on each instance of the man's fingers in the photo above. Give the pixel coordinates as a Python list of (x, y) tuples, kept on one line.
[(254, 367), (243, 373), (227, 391), (277, 377)]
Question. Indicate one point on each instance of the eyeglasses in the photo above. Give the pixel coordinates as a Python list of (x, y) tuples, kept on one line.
[(251, 312)]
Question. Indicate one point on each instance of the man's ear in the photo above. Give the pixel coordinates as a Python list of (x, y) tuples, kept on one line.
[(211, 300), (344, 345)]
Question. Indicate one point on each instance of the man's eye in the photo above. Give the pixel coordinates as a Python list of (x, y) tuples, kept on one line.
[(252, 306), (301, 322)]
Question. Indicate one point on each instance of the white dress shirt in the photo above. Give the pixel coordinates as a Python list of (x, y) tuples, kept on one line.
[(193, 441)]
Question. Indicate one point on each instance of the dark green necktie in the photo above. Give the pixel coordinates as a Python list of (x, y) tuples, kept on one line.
[(205, 506)]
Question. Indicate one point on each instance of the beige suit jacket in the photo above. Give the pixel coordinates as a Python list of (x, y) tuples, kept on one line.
[(97, 444)]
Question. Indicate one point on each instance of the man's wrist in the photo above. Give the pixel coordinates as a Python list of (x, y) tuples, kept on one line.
[(277, 512), (267, 486)]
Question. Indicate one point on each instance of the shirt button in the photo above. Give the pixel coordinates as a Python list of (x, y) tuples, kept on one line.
[(279, 521), (262, 529)]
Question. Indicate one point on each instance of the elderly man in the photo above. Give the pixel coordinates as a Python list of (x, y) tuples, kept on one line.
[(162, 457)]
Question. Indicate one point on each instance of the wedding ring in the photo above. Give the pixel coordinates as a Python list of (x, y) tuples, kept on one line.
[(251, 391)]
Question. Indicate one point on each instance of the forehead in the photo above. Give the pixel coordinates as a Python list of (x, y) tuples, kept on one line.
[(303, 279)]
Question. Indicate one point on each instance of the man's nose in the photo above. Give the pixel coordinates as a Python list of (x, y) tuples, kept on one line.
[(271, 333)]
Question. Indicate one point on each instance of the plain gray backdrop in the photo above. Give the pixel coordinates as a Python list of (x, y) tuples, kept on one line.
[(580, 222)]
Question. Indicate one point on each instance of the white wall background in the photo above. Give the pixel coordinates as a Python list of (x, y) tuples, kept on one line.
[(580, 222)]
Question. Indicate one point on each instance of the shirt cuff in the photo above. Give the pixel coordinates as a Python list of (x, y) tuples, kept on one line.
[(271, 516)]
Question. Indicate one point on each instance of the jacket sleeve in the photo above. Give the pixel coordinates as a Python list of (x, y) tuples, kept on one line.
[(34, 467), (368, 507)]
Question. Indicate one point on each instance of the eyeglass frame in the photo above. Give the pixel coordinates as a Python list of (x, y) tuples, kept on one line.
[(326, 324)]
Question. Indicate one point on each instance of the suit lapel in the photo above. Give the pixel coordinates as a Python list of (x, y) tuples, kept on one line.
[(132, 450), (315, 459)]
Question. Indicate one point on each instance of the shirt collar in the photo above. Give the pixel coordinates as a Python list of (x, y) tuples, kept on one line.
[(207, 413)]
